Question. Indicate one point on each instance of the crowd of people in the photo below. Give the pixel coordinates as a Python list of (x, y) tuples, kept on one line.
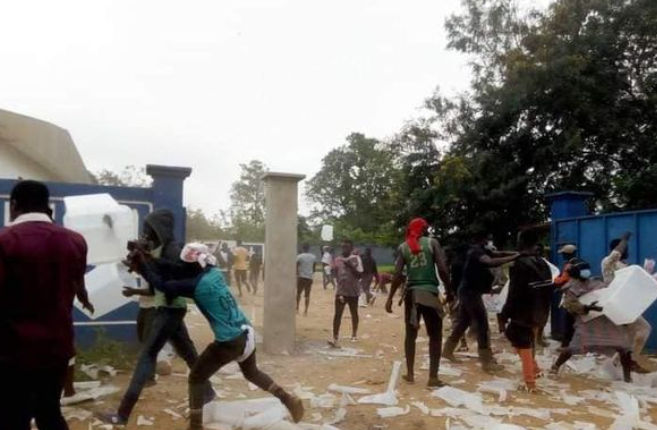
[(434, 286), (42, 267)]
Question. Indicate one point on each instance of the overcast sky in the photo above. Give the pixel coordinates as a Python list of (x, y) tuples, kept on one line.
[(211, 84)]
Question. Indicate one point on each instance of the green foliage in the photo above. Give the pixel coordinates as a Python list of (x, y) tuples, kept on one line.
[(355, 190), (106, 351), (130, 176), (202, 227), (560, 99), (247, 210)]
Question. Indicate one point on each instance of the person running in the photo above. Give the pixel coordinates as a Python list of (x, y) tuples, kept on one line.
[(641, 328), (224, 260), (241, 266), (421, 256), (370, 273), (168, 323), (477, 280), (42, 266), (595, 335), (327, 267), (305, 272), (530, 283), (348, 269), (255, 267), (234, 335), (568, 254)]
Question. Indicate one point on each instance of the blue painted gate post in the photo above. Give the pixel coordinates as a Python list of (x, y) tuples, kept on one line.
[(566, 204), (167, 192)]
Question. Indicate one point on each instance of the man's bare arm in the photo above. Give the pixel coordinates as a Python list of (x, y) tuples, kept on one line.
[(496, 262), (397, 280)]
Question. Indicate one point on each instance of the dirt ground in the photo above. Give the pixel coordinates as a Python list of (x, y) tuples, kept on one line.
[(381, 338)]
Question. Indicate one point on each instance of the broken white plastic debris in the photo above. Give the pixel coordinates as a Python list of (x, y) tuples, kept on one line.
[(143, 421), (174, 414), (89, 395), (388, 398), (303, 394), (266, 418), (569, 399), (340, 415), (76, 414), (507, 427), (392, 411), (324, 401), (422, 407), (456, 397), (630, 414), (234, 413), (344, 352), (347, 390), (86, 385)]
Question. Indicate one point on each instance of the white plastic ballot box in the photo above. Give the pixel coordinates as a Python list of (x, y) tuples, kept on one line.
[(105, 286), (628, 296), (106, 225)]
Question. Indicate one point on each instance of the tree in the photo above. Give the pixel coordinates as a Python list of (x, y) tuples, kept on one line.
[(130, 176), (247, 209), (564, 99), (355, 190), (201, 227)]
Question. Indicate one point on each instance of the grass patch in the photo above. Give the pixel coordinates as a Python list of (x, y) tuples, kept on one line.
[(105, 351)]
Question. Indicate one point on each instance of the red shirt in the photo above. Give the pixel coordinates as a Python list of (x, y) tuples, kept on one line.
[(40, 266)]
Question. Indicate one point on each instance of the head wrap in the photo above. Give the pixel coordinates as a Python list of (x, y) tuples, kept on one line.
[(198, 253), (414, 231)]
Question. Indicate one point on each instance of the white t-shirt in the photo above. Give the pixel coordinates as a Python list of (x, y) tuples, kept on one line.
[(327, 258)]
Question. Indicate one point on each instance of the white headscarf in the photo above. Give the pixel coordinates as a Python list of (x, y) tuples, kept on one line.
[(198, 253)]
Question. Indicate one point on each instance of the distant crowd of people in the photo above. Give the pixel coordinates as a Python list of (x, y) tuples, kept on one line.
[(240, 264)]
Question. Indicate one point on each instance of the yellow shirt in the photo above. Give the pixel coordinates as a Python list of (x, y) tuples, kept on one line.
[(241, 255)]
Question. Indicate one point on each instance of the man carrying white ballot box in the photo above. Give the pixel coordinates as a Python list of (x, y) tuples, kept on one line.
[(640, 329)]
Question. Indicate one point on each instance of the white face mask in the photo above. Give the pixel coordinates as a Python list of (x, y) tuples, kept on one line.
[(585, 274)]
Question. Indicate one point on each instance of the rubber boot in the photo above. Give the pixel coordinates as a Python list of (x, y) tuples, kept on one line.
[(488, 363), (196, 419), (291, 402), (448, 350)]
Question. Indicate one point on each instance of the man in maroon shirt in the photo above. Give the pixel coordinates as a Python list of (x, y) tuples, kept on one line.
[(42, 266)]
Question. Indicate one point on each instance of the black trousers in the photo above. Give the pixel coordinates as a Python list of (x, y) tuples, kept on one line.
[(352, 302), (217, 355), (32, 393), (472, 312), (168, 325), (434, 325)]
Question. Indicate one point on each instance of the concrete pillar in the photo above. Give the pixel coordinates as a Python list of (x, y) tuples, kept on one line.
[(280, 261)]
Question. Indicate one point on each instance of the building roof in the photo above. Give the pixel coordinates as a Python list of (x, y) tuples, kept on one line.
[(44, 146)]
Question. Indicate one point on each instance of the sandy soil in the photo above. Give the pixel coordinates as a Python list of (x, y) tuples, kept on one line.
[(381, 337)]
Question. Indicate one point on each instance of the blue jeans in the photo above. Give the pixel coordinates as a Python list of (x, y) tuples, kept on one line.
[(168, 325)]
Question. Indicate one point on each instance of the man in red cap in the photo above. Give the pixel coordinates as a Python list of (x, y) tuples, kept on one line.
[(421, 256)]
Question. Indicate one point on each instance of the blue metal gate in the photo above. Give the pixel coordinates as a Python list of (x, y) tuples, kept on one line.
[(165, 192), (592, 234)]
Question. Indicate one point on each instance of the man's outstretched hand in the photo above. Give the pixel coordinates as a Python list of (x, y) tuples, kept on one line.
[(88, 306), (129, 291)]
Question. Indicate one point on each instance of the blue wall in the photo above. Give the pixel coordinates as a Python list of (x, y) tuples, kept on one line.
[(592, 234), (165, 192)]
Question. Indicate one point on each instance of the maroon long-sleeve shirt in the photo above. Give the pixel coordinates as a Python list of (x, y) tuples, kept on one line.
[(41, 265)]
